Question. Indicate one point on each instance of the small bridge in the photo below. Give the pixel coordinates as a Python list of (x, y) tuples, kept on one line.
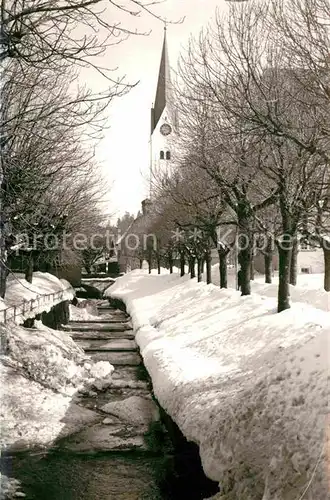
[(98, 282)]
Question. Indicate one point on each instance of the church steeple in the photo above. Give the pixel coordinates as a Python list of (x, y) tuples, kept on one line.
[(163, 86)]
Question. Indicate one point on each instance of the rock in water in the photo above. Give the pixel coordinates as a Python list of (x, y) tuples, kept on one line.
[(135, 409)]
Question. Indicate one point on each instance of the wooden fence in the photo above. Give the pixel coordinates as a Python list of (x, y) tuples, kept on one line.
[(11, 313)]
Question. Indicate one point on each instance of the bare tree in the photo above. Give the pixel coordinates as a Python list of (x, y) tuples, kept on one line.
[(48, 173), (220, 145), (44, 39), (269, 126), (48, 32)]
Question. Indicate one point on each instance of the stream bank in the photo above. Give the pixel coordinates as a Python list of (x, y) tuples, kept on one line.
[(129, 449)]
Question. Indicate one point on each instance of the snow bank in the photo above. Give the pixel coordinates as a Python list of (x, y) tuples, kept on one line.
[(309, 288), (83, 313), (105, 280), (20, 293), (40, 370), (31, 414), (248, 385), (87, 312), (47, 356)]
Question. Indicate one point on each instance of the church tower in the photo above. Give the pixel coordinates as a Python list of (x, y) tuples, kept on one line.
[(163, 120)]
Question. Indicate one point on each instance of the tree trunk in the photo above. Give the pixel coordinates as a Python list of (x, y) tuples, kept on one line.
[(284, 247), (208, 268), (252, 269), (199, 270), (245, 258), (245, 248), (47, 267), (158, 264), (284, 278), (294, 263), (170, 263), (141, 263), (268, 258), (182, 264), (223, 269), (3, 279), (192, 267), (149, 265), (29, 269), (3, 250), (326, 255)]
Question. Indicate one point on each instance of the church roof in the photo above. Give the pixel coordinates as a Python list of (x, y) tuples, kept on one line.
[(163, 86)]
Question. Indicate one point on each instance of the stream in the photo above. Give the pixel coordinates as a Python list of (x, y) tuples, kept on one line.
[(128, 451)]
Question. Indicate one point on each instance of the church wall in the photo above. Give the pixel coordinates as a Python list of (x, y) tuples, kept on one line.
[(161, 143)]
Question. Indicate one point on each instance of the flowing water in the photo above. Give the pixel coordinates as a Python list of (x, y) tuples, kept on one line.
[(65, 476)]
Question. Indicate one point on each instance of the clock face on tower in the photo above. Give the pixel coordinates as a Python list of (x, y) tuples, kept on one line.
[(165, 129)]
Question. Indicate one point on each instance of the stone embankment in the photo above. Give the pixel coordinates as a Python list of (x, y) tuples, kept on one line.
[(116, 441), (124, 415), (121, 408)]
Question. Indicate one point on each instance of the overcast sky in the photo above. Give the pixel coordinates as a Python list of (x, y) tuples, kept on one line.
[(124, 152)]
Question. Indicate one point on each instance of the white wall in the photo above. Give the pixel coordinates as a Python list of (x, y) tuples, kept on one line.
[(162, 143), (312, 259)]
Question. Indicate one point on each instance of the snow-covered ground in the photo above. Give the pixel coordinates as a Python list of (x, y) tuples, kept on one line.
[(107, 279), (83, 313), (40, 292), (309, 288), (87, 311), (40, 371), (248, 385)]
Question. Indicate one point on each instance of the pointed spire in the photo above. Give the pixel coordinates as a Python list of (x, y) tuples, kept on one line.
[(163, 84)]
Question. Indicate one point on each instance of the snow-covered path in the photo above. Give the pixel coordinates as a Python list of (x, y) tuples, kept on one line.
[(309, 288), (245, 383)]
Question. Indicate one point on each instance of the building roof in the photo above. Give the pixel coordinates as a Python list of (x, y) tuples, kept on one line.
[(163, 86)]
